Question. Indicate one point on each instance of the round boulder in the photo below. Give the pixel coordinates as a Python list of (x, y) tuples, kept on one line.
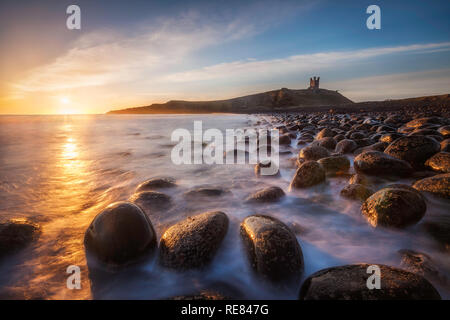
[(313, 153), (379, 163), (272, 249), (413, 149), (346, 146), (156, 183), (438, 185), (440, 162), (120, 234), (15, 235), (349, 282), (356, 191), (193, 242), (269, 194), (336, 164), (308, 174), (394, 207), (326, 132), (152, 200)]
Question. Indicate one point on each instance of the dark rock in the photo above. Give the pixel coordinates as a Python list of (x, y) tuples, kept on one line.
[(151, 200), (269, 194), (424, 121), (356, 191), (358, 179), (350, 283), (337, 164), (266, 164), (272, 249), (120, 234), (421, 264), (326, 142), (414, 149), (439, 230), (325, 133), (16, 234), (205, 192), (379, 146), (308, 174), (156, 183), (345, 146), (313, 153), (390, 137), (445, 145), (394, 207), (284, 139), (193, 242), (444, 131), (440, 162), (338, 137), (379, 163), (438, 185)]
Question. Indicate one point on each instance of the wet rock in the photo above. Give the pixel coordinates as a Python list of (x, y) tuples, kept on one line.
[(193, 242), (349, 282), (326, 142), (336, 164), (339, 137), (413, 149), (390, 137), (379, 146), (421, 264), (308, 174), (356, 192), (438, 185), (156, 183), (440, 162), (423, 121), (379, 163), (16, 234), (358, 179), (272, 249), (120, 234), (445, 145), (267, 164), (394, 207), (284, 139), (326, 132), (313, 153), (345, 146), (444, 131), (152, 200), (201, 192), (269, 194), (406, 187)]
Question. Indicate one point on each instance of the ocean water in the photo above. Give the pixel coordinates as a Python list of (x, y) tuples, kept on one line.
[(60, 171)]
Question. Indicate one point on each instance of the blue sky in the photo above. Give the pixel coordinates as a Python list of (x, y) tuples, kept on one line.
[(131, 53)]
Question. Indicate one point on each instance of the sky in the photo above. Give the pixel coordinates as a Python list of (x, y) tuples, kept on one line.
[(134, 53)]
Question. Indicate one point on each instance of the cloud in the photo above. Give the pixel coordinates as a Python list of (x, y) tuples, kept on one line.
[(295, 64), (396, 86), (107, 57)]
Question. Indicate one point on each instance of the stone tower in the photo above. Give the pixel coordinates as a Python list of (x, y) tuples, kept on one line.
[(314, 83)]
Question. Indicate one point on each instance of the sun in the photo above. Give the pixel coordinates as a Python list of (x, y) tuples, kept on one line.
[(64, 100)]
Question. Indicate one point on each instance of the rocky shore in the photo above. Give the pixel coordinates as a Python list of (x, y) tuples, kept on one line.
[(358, 147)]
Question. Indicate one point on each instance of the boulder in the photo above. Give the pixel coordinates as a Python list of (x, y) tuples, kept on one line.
[(313, 153), (308, 174), (394, 207), (379, 163), (346, 146), (272, 249), (156, 183), (438, 185), (193, 242), (440, 162), (413, 149), (121, 234), (349, 282), (16, 234), (356, 191), (151, 200), (269, 194), (336, 164)]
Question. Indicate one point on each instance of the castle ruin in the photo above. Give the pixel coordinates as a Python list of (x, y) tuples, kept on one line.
[(314, 83)]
